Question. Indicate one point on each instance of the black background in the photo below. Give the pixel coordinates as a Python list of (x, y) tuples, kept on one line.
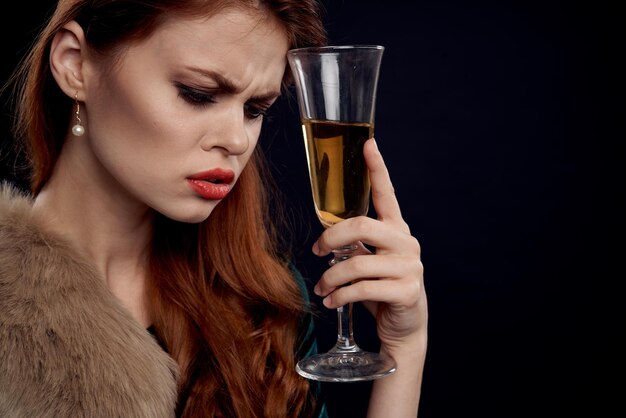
[(502, 124)]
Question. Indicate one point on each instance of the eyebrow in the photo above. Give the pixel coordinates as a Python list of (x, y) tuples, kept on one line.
[(230, 86)]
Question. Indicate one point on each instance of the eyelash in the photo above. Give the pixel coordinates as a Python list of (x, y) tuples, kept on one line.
[(199, 99), (254, 112), (195, 97)]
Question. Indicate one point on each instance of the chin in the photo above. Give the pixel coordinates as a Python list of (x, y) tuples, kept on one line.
[(193, 214)]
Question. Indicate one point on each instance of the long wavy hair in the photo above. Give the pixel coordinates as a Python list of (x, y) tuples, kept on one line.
[(223, 301)]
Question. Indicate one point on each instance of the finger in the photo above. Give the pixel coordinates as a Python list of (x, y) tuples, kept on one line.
[(400, 293), (368, 267), (369, 231), (383, 193)]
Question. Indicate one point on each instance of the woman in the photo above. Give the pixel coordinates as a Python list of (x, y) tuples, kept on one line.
[(140, 277)]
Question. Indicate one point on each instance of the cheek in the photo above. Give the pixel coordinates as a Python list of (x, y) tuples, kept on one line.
[(137, 131), (136, 109), (139, 152)]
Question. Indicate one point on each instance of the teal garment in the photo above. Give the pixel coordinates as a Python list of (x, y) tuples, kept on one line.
[(309, 343), (307, 347)]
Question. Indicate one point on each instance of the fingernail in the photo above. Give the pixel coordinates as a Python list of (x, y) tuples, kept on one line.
[(327, 301), (316, 248), (317, 290)]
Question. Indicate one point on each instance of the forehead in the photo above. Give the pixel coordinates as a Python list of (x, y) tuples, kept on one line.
[(234, 24), (230, 39), (236, 42)]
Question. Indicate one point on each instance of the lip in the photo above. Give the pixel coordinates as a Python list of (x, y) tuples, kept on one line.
[(212, 184)]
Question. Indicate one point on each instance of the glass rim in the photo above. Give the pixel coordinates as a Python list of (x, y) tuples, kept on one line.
[(333, 48)]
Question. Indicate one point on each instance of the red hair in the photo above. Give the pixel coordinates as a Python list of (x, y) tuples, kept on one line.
[(224, 302)]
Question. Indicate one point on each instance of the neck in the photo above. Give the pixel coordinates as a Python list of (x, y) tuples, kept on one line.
[(103, 222)]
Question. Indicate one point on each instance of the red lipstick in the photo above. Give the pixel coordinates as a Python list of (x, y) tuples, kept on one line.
[(212, 184)]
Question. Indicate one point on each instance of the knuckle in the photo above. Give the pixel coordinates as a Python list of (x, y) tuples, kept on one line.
[(339, 297), (329, 281), (419, 267), (323, 240), (362, 225), (387, 190), (414, 243), (410, 293), (359, 266), (325, 283), (415, 287), (368, 289)]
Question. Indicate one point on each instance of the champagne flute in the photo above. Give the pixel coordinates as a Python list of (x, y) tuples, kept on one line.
[(336, 89)]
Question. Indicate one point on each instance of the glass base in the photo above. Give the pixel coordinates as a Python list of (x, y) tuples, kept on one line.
[(346, 366)]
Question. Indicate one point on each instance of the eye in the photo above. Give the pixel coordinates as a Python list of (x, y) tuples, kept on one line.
[(255, 111), (194, 96)]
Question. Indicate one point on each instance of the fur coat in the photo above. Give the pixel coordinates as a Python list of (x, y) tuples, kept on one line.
[(68, 348)]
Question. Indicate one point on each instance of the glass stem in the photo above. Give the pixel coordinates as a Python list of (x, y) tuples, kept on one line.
[(345, 337)]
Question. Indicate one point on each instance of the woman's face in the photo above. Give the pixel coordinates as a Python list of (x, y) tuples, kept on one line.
[(173, 124)]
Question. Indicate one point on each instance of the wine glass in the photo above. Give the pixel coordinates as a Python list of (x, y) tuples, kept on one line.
[(336, 90)]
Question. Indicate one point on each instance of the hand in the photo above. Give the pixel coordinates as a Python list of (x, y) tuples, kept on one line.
[(388, 281)]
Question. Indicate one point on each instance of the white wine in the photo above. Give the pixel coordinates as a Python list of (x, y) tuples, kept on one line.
[(339, 178)]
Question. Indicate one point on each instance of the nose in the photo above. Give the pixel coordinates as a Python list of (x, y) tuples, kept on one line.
[(227, 131)]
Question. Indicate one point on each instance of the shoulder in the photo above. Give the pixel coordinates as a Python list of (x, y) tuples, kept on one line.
[(15, 210), (36, 264), (67, 346), (24, 244)]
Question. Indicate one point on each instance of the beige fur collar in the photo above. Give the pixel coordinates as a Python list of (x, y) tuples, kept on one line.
[(68, 348)]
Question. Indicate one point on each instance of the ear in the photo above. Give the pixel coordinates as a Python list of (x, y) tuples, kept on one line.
[(67, 53)]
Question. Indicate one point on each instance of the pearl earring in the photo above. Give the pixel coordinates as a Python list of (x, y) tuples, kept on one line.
[(77, 129)]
